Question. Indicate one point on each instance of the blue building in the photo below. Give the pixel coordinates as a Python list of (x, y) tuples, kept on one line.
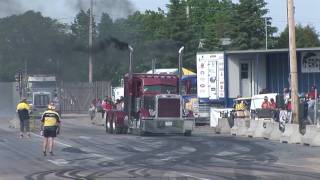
[(250, 71)]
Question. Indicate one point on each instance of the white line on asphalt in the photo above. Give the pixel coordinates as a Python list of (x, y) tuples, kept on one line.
[(59, 162), (195, 177), (56, 141), (305, 167)]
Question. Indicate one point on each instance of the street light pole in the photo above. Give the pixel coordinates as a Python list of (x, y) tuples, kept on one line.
[(180, 67), (293, 63), (266, 31), (129, 83)]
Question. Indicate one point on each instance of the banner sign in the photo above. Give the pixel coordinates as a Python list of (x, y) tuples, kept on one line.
[(310, 62), (210, 75)]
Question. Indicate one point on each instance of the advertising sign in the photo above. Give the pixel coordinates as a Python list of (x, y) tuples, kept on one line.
[(213, 79), (202, 76), (210, 75), (310, 62)]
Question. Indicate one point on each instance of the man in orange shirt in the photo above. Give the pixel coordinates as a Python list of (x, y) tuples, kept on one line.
[(266, 104)]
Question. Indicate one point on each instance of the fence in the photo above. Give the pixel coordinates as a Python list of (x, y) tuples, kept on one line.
[(76, 97)]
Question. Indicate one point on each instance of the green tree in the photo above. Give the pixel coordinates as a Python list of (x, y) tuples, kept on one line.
[(249, 21), (28, 41), (306, 36), (219, 24), (78, 62)]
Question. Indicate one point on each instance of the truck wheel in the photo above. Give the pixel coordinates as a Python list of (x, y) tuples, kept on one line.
[(141, 132), (187, 133), (124, 130)]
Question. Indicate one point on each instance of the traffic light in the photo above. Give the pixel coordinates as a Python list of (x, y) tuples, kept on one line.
[(19, 82)]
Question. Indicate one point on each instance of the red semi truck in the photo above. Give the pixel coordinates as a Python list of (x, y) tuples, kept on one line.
[(151, 105)]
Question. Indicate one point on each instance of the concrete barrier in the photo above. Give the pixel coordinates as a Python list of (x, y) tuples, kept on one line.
[(276, 133), (253, 127), (272, 131), (258, 128), (291, 134), (312, 136), (223, 126), (241, 126), (268, 130)]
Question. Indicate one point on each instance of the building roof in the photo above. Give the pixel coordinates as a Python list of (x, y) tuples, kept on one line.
[(270, 50), (254, 51)]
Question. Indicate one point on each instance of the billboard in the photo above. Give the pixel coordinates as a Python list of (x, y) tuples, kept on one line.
[(210, 75)]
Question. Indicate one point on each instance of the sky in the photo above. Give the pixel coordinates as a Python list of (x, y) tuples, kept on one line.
[(305, 11), (65, 10)]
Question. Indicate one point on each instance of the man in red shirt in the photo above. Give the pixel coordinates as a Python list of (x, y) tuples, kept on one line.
[(273, 105)]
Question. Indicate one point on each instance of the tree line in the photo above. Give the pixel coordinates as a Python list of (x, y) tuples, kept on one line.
[(44, 45)]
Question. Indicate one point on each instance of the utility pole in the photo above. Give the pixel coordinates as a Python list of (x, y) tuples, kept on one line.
[(293, 63), (90, 42), (130, 82)]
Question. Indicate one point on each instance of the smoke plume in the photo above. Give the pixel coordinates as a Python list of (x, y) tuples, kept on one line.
[(104, 44)]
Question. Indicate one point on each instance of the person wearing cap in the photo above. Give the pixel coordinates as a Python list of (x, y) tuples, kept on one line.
[(50, 125), (23, 109), (266, 104)]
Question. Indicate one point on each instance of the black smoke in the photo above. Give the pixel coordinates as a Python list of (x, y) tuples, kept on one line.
[(65, 10), (104, 44)]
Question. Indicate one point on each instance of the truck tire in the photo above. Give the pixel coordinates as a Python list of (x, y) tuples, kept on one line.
[(187, 133)]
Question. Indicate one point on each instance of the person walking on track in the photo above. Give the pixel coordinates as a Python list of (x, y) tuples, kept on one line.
[(23, 113), (50, 127)]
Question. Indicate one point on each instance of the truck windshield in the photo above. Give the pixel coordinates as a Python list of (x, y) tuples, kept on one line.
[(43, 84), (167, 89)]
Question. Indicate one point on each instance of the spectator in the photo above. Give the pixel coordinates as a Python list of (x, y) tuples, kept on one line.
[(312, 97), (92, 111), (106, 105), (286, 95), (273, 105), (23, 113), (118, 104), (240, 106), (235, 102), (266, 103), (98, 105)]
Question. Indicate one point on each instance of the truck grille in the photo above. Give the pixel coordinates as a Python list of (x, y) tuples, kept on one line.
[(168, 107)]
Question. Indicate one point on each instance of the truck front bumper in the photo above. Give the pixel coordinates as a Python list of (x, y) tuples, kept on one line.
[(168, 125)]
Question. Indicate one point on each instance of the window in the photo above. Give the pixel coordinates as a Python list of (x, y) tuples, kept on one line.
[(244, 74), (165, 89)]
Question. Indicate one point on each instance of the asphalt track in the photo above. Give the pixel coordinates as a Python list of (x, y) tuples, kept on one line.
[(85, 151)]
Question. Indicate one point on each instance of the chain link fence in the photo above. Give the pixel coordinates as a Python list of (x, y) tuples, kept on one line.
[(77, 97)]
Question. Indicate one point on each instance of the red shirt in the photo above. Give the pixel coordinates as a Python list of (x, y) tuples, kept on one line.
[(312, 94), (273, 105)]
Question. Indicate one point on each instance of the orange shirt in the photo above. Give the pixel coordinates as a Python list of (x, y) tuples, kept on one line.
[(265, 105)]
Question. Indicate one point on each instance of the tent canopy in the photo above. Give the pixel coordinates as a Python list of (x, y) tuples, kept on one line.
[(185, 71)]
